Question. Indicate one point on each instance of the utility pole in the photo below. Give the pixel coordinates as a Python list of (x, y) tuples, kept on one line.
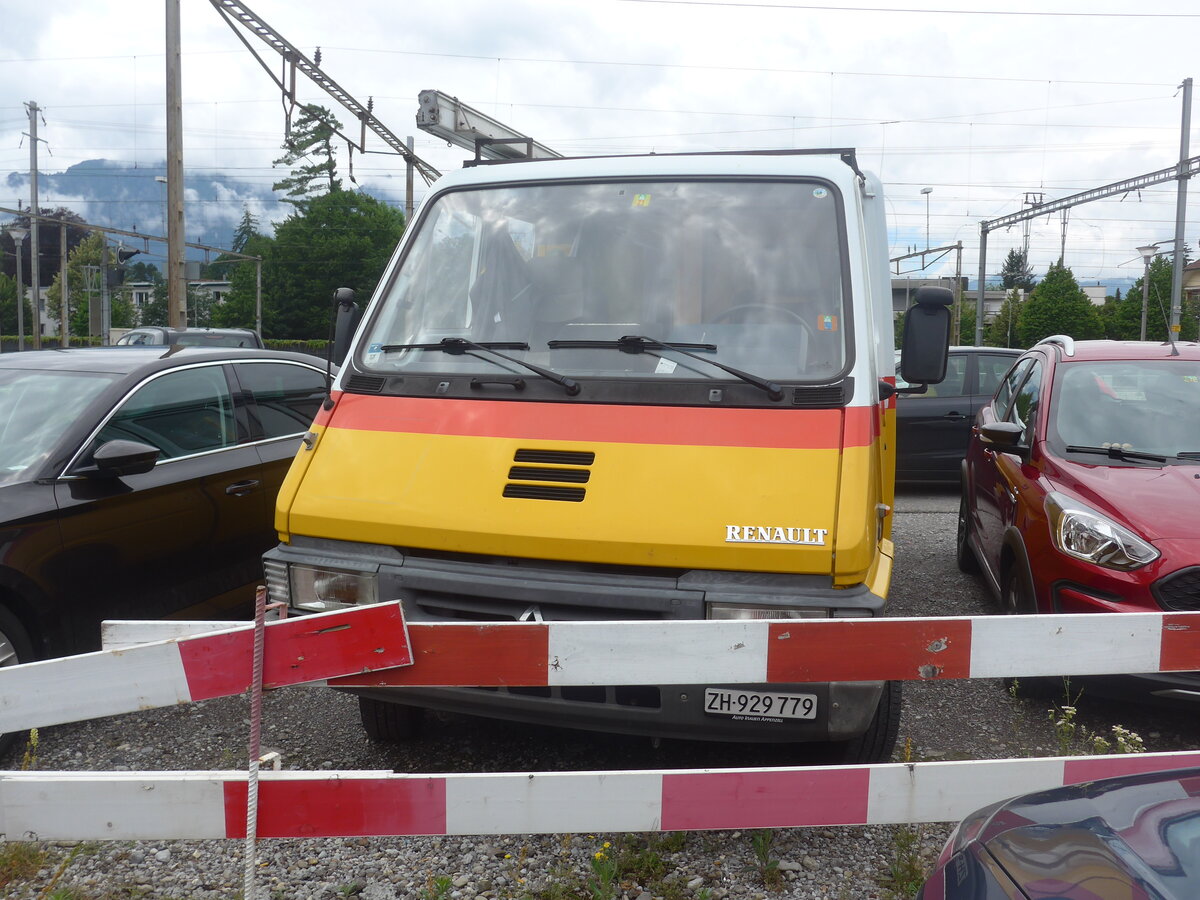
[(1180, 215), (176, 273), (64, 329), (34, 273)]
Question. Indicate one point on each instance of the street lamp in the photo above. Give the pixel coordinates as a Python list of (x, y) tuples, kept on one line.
[(1148, 253), (17, 233), (926, 191)]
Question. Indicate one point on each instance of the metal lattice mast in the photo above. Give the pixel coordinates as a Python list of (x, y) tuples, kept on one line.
[(237, 13)]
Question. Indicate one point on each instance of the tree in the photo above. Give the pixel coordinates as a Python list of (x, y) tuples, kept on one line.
[(1002, 332), (1123, 317), (964, 313), (247, 230), (1015, 273), (338, 239), (311, 139), (48, 244), (88, 253), (1057, 306), (8, 307)]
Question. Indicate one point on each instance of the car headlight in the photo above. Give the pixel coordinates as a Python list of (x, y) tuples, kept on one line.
[(320, 590), (1085, 534)]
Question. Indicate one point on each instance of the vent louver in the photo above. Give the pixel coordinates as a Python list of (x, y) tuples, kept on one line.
[(528, 482), (365, 384)]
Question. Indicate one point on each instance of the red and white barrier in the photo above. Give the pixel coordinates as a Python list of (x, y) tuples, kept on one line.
[(97, 806), (182, 670), (205, 805), (900, 649)]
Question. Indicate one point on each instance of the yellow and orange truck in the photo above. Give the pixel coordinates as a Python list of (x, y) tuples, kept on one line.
[(611, 389)]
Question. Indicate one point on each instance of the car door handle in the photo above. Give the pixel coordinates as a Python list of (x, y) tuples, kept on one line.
[(241, 488), (954, 416)]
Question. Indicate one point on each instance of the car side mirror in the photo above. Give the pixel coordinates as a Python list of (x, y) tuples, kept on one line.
[(116, 459), (1002, 436), (925, 347)]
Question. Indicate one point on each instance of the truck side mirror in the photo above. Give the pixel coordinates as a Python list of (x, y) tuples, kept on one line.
[(925, 347), (346, 319)]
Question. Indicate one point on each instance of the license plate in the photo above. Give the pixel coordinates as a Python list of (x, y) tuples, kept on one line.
[(754, 705)]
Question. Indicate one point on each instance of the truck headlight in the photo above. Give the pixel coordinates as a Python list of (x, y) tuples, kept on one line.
[(1085, 534), (320, 590), (745, 611)]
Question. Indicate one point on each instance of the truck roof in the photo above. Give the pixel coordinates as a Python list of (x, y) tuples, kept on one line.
[(831, 165)]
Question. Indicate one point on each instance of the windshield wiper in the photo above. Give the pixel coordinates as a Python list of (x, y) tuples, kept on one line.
[(632, 343), (1118, 452), (1188, 454), (458, 345)]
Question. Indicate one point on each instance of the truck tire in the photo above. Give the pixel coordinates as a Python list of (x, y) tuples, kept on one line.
[(875, 745), (390, 722), (15, 648)]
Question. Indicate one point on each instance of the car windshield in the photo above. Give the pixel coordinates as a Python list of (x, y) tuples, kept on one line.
[(36, 409), (754, 269), (1144, 406)]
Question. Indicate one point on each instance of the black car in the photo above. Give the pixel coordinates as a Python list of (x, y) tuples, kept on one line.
[(933, 428), (1135, 837), (156, 335), (139, 484)]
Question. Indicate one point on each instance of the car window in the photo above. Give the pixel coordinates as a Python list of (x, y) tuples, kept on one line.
[(1007, 387), (180, 413), (1023, 410), (286, 395), (992, 369), (951, 386)]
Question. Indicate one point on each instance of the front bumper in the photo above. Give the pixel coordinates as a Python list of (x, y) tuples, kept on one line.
[(452, 588)]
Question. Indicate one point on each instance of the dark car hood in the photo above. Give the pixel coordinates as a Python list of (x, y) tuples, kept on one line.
[(1136, 837), (1156, 501)]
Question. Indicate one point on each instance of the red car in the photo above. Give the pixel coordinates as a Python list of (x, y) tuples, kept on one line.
[(1081, 486)]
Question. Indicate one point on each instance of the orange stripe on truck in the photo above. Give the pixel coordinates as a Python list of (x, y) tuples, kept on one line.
[(808, 429)]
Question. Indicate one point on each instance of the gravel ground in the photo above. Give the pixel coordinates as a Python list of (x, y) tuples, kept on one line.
[(316, 729)]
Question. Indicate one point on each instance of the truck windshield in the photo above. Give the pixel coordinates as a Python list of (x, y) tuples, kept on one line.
[(754, 268)]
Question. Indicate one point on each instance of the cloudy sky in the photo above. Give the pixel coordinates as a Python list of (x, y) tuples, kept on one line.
[(984, 102)]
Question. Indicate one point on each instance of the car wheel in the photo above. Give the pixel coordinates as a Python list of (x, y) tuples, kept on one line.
[(875, 745), (1016, 599), (15, 648), (390, 722), (964, 555)]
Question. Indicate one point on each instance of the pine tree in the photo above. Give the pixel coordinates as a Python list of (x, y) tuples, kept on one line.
[(1057, 306), (1015, 273), (311, 139)]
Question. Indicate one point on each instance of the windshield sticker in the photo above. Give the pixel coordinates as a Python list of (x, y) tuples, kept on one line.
[(827, 323), (641, 199), (775, 534), (820, 193), (374, 352), (665, 366)]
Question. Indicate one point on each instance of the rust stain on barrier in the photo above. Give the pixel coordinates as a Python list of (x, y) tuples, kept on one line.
[(738, 646), (939, 645), (928, 671)]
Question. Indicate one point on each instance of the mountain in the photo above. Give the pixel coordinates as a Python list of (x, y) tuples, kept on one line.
[(119, 195)]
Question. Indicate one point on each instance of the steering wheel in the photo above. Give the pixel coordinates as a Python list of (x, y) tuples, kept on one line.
[(735, 312)]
